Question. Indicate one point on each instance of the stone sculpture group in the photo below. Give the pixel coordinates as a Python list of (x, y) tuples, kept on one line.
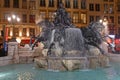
[(67, 47)]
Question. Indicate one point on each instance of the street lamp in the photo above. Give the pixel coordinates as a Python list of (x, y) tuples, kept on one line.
[(13, 19)]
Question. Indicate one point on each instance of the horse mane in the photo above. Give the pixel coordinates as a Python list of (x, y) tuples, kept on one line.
[(91, 32)]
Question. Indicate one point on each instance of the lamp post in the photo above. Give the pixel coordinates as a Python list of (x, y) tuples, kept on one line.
[(13, 19)]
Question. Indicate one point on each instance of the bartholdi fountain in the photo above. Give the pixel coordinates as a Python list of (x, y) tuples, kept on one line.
[(69, 48)]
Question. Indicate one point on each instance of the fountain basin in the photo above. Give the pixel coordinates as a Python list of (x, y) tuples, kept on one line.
[(72, 63)]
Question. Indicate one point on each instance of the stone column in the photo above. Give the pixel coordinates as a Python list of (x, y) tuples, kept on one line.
[(13, 51)]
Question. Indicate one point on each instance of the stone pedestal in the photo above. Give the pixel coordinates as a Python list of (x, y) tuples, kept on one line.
[(12, 56), (93, 63), (104, 46), (13, 51)]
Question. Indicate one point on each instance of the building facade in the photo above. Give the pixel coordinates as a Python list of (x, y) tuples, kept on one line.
[(26, 11), (82, 13)]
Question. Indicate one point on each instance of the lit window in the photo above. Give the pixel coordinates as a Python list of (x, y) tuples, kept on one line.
[(75, 17), (9, 31), (24, 32), (16, 32), (32, 31), (83, 18)]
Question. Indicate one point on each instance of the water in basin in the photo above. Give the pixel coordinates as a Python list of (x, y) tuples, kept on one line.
[(30, 72)]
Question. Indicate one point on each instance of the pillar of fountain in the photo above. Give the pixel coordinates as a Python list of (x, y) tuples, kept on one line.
[(13, 51)]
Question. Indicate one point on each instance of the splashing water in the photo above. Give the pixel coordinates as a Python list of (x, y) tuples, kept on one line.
[(74, 39)]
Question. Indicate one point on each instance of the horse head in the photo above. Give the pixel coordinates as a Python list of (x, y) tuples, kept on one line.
[(97, 26), (47, 27), (44, 36)]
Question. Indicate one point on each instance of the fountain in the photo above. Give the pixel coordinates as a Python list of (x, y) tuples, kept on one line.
[(69, 48)]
